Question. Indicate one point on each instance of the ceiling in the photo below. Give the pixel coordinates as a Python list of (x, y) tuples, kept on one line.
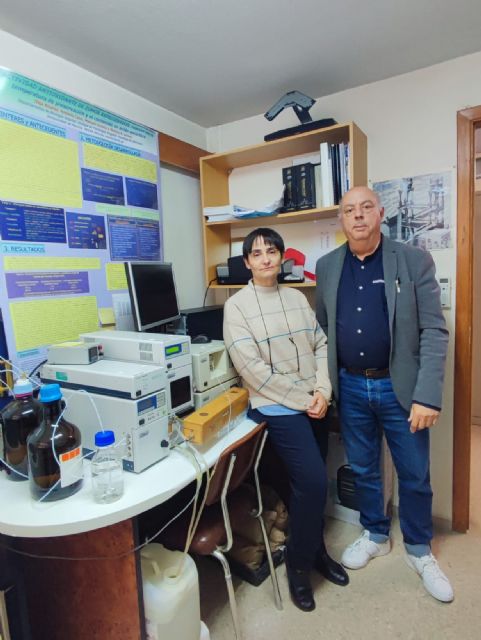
[(215, 61)]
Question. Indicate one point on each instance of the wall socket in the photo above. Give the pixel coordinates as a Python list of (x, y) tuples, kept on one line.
[(445, 285)]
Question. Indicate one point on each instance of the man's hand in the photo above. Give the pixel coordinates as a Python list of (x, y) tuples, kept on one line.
[(422, 417), (318, 406)]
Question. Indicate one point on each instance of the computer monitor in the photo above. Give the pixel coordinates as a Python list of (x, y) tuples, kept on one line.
[(153, 295)]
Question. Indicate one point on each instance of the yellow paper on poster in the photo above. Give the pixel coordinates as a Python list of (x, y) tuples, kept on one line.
[(42, 322), (48, 263), (38, 167), (340, 238), (107, 160), (106, 316), (115, 274)]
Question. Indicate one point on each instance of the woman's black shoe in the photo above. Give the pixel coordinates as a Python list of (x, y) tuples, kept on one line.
[(300, 588), (330, 569)]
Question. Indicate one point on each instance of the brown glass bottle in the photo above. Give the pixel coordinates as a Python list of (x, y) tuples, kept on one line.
[(18, 419), (54, 451)]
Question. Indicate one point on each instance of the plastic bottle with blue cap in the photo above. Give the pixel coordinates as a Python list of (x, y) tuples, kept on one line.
[(107, 469)]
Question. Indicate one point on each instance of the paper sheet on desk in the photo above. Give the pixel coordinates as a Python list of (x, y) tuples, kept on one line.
[(124, 319)]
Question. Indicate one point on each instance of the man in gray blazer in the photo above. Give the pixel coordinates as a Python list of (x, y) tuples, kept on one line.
[(379, 303)]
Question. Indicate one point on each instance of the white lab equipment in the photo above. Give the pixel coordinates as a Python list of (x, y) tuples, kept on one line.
[(107, 377), (211, 365), (168, 350), (140, 426)]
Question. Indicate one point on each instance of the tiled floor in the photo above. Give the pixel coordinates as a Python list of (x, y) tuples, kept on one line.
[(384, 601)]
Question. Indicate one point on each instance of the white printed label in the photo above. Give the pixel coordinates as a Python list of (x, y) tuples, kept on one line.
[(71, 467)]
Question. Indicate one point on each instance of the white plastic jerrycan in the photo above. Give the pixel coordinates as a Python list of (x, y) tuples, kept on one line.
[(171, 594)]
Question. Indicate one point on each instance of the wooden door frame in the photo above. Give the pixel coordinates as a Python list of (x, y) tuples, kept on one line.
[(467, 119)]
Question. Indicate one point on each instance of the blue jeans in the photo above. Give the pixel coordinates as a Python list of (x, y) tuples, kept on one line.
[(368, 407), (301, 443)]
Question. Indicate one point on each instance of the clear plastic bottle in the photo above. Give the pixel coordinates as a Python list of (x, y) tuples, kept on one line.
[(107, 469), (17, 421), (54, 451)]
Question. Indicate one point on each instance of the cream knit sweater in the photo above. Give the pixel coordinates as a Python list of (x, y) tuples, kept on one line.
[(246, 319)]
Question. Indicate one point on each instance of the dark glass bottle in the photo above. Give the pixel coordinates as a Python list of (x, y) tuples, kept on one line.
[(54, 474), (18, 419)]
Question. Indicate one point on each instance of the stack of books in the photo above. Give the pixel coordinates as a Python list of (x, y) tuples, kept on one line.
[(318, 180), (219, 214), (233, 211)]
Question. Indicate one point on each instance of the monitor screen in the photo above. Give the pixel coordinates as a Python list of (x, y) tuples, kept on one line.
[(152, 293)]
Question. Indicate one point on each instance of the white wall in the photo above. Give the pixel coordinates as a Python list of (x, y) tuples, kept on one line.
[(410, 123), (183, 235), (180, 191), (23, 57)]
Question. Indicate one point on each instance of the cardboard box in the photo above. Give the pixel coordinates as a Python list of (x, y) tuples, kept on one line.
[(217, 416)]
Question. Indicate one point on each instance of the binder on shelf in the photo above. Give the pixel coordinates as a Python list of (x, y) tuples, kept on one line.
[(315, 160), (326, 173), (318, 184), (306, 188), (344, 167), (290, 189), (346, 164), (336, 173)]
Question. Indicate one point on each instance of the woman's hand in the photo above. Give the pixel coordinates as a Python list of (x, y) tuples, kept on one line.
[(318, 407)]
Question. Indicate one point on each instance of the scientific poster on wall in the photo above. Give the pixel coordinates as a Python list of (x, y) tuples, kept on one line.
[(79, 194), (417, 210)]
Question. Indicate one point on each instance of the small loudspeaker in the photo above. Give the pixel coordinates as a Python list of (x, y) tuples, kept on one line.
[(238, 270), (222, 271)]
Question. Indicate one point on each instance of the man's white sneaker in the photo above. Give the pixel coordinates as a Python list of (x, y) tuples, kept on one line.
[(358, 554), (434, 580)]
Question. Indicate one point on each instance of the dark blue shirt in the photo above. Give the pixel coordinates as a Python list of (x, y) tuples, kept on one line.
[(362, 327)]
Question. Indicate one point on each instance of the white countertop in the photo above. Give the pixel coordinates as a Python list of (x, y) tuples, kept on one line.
[(21, 516)]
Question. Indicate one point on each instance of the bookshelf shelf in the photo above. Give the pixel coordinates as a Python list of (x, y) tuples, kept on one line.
[(214, 181), (280, 218)]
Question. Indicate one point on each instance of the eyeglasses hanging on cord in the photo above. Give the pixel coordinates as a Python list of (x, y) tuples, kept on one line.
[(268, 340)]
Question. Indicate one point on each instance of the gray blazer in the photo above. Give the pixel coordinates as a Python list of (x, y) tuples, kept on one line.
[(419, 338)]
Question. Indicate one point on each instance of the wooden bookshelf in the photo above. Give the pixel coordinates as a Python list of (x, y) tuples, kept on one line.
[(214, 180)]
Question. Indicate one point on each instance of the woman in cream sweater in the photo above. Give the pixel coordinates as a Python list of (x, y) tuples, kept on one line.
[(280, 351)]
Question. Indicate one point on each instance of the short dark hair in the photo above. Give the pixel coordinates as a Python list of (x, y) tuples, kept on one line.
[(270, 237)]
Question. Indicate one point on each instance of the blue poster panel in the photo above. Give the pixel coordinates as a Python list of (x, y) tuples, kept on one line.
[(141, 194), (102, 187), (30, 223), (23, 285), (86, 231), (133, 239)]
